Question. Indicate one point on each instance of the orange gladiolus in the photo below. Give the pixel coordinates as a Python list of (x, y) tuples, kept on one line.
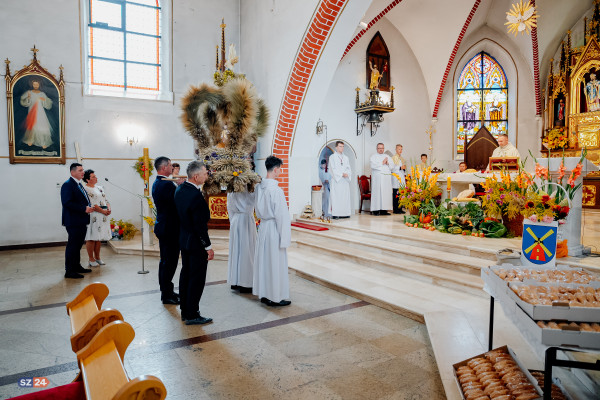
[(541, 172), (561, 171)]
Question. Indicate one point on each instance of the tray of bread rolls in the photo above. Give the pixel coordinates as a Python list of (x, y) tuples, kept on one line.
[(557, 392), (497, 375), (571, 302), (497, 277), (558, 332)]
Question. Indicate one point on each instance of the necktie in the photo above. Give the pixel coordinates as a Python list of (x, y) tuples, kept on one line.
[(85, 194)]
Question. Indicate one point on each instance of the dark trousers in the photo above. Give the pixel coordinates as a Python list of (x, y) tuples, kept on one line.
[(395, 199), (191, 281), (169, 257), (73, 250)]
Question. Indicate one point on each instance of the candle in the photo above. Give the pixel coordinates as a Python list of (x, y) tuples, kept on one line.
[(448, 184), (146, 171)]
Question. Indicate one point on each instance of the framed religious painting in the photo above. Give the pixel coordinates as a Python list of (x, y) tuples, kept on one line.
[(36, 115)]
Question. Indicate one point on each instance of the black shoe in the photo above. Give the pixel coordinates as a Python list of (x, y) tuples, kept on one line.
[(235, 287), (271, 303), (170, 300), (82, 270), (335, 217), (245, 289), (198, 321), (374, 212), (73, 275), (384, 213)]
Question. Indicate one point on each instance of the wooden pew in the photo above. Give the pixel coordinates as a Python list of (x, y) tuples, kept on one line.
[(87, 316), (104, 376)]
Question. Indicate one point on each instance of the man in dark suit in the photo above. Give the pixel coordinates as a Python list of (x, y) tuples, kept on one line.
[(166, 229), (76, 209), (195, 244)]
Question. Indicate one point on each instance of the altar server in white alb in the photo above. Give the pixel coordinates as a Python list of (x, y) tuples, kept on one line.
[(271, 282), (242, 240), (381, 183), (339, 195)]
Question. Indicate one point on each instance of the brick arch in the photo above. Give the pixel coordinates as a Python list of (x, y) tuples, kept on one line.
[(305, 62)]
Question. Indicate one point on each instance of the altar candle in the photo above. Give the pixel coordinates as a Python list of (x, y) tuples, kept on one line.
[(448, 184)]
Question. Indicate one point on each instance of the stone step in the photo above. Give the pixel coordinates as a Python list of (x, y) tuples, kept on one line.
[(395, 231), (404, 295), (438, 258), (333, 253)]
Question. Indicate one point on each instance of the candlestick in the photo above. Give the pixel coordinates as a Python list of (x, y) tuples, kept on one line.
[(146, 172)]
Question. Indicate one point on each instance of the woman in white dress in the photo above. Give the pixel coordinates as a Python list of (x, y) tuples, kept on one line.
[(99, 227), (37, 126)]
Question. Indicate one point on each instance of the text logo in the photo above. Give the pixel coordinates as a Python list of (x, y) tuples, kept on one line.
[(36, 382)]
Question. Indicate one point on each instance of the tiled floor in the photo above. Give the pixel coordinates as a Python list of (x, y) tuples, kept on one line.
[(326, 345)]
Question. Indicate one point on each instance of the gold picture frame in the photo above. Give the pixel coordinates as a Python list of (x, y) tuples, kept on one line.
[(36, 114)]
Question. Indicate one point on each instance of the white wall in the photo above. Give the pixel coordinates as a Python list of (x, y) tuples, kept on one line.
[(406, 125), (30, 208)]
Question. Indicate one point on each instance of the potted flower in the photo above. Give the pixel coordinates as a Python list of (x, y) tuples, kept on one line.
[(505, 199), (556, 139)]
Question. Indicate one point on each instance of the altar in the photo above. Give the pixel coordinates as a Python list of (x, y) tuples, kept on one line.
[(461, 181)]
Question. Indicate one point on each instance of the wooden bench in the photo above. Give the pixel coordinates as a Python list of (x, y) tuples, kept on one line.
[(87, 316), (104, 376)]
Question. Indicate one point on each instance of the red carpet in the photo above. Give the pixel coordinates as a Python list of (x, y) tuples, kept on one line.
[(71, 391), (309, 226)]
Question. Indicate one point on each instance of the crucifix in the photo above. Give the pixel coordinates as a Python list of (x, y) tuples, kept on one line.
[(34, 52), (430, 131)]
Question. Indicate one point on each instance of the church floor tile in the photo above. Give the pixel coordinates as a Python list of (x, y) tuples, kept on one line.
[(326, 345)]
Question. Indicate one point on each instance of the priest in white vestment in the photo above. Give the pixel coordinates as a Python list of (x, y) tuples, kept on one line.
[(271, 282), (339, 195), (242, 240), (325, 178), (504, 149), (381, 183), (398, 168)]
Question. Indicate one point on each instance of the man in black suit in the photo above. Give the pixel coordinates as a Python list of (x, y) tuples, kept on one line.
[(166, 229), (195, 244), (76, 209)]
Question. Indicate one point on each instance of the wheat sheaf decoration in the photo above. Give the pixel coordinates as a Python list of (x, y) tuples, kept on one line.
[(225, 123), (521, 18)]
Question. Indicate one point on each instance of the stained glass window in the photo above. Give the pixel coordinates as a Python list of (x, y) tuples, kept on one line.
[(124, 49), (482, 98)]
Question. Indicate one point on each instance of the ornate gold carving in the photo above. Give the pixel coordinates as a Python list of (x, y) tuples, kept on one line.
[(589, 195)]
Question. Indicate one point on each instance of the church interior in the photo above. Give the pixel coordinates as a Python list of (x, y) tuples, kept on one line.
[(380, 310)]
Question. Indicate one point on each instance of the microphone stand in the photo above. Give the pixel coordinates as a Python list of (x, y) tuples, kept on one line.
[(143, 271)]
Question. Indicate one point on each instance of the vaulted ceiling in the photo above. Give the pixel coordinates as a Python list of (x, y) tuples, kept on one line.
[(432, 28)]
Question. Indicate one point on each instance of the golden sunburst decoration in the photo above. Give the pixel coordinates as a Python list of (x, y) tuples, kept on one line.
[(521, 18)]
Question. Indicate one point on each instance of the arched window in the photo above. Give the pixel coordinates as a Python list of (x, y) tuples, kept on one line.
[(482, 98), (124, 52)]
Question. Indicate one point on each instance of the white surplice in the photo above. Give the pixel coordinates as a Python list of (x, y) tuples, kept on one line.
[(274, 237), (507, 151), (242, 238), (325, 178), (339, 196), (381, 184)]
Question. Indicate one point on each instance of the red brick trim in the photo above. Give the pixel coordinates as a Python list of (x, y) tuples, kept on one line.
[(313, 43), (373, 22), (536, 68), (451, 60)]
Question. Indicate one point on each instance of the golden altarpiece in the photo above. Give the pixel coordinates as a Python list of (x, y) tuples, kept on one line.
[(573, 102)]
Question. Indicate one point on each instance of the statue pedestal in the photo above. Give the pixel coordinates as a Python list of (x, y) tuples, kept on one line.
[(316, 201), (572, 229)]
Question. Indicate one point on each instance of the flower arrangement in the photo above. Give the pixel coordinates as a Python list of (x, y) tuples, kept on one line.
[(221, 78), (541, 207), (418, 189), (556, 139), (505, 196), (140, 168), (122, 229)]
